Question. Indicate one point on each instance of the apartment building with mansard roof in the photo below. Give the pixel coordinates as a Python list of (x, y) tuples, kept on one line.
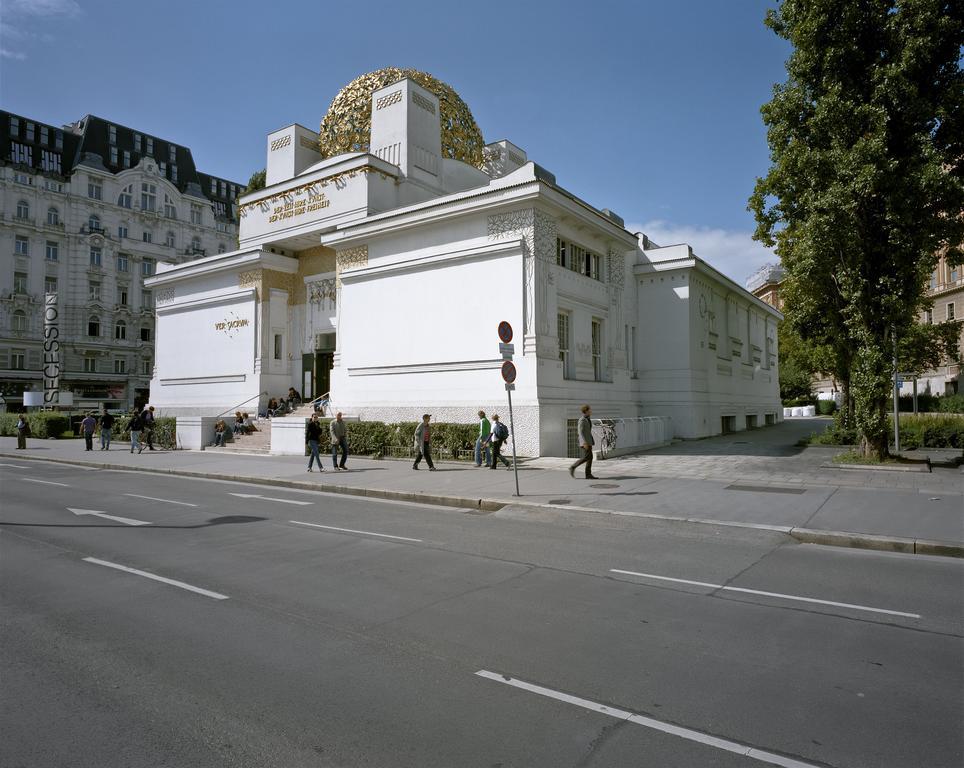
[(87, 210)]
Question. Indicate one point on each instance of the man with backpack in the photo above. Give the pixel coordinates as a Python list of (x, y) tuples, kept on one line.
[(500, 433)]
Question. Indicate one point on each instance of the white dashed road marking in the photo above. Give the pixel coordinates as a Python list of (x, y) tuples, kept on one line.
[(44, 482), (166, 501), (349, 530), (674, 730), (770, 594), (172, 582)]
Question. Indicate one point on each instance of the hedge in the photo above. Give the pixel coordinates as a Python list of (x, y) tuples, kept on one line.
[(826, 407), (920, 431), (376, 438), (43, 424), (165, 431)]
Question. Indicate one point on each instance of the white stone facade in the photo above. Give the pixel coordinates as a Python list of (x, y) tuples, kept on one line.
[(401, 266)]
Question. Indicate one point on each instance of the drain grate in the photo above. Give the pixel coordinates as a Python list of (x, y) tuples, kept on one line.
[(765, 489), (604, 485)]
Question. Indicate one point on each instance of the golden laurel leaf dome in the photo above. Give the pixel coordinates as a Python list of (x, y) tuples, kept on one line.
[(347, 125)]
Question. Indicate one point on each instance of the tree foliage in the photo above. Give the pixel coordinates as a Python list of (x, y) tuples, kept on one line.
[(257, 181), (865, 187)]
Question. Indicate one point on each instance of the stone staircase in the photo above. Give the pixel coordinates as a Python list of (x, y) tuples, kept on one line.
[(257, 442)]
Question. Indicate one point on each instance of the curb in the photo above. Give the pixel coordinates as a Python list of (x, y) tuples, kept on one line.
[(803, 535)]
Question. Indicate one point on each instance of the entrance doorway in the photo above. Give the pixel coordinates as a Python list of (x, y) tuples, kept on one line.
[(316, 373)]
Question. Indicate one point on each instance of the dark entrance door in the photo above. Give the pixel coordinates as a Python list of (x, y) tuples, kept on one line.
[(323, 364)]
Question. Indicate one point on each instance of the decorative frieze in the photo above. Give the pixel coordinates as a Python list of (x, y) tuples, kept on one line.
[(165, 296), (320, 290), (249, 279), (352, 257)]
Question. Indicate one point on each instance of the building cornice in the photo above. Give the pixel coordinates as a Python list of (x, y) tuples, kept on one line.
[(223, 262)]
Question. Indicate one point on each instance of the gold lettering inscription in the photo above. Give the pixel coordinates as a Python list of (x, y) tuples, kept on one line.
[(297, 208), (230, 325)]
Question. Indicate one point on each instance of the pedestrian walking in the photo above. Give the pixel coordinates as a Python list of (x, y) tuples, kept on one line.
[(135, 426), (313, 438), (147, 421), (87, 427), (339, 439), (423, 439), (482, 441), (500, 433), (106, 424), (23, 430), (586, 442)]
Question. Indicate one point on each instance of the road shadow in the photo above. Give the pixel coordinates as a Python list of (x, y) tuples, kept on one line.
[(225, 520)]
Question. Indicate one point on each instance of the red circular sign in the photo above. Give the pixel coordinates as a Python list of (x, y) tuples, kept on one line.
[(505, 332), (508, 370)]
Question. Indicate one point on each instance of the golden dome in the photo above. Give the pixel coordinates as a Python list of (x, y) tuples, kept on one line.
[(347, 126)]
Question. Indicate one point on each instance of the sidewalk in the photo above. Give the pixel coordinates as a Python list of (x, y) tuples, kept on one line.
[(751, 479)]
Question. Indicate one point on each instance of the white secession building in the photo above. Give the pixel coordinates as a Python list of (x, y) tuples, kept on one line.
[(379, 259)]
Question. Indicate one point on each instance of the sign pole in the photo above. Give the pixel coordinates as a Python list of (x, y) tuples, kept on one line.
[(896, 400), (515, 464)]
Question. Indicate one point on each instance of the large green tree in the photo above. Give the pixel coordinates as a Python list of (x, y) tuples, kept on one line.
[(866, 140)]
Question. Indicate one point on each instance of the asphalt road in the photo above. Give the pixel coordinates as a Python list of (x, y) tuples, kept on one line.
[(305, 629)]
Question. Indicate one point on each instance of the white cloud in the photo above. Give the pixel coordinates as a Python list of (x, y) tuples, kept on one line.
[(734, 253), (26, 11)]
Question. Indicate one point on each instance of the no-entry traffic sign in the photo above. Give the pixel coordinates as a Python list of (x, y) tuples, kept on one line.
[(505, 332), (508, 371)]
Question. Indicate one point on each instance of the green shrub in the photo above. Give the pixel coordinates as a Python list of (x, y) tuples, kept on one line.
[(165, 431), (798, 402), (951, 404), (826, 407), (8, 424), (47, 424)]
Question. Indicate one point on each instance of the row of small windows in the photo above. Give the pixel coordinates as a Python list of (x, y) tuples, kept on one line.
[(21, 245), (578, 259), (562, 332), (120, 329), (30, 133), (18, 363), (22, 154)]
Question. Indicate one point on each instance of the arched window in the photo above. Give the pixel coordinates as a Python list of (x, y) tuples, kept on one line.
[(20, 320), (23, 209), (53, 215), (126, 197), (120, 330), (93, 223), (93, 326), (169, 239)]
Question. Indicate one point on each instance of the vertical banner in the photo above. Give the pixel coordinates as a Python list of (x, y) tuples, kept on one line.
[(51, 350)]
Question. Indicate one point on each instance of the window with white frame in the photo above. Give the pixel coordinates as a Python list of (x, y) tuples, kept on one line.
[(122, 231), (172, 153), (162, 167), (52, 252), (23, 209), (137, 143), (127, 158), (950, 310), (148, 197), (90, 364), (19, 321), (50, 284), (112, 134), (93, 223), (20, 282), (150, 147), (147, 236), (147, 369), (147, 267), (44, 134), (928, 317), (120, 364), (196, 244), (113, 156), (174, 173), (122, 295), (120, 330), (214, 186), (30, 132), (53, 186), (22, 178), (197, 214), (578, 259), (53, 216), (59, 141), (95, 188), (17, 358), (597, 369), (96, 256), (170, 211), (50, 161), (93, 326), (126, 198), (169, 239), (147, 300), (14, 126), (93, 291), (21, 153), (562, 331), (123, 262), (145, 333), (21, 245)]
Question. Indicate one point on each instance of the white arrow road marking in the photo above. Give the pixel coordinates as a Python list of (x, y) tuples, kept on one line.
[(166, 501), (770, 594), (349, 530), (269, 498), (44, 482), (146, 575), (124, 520), (684, 733)]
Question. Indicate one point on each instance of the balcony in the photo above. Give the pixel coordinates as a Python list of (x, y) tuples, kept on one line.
[(194, 251)]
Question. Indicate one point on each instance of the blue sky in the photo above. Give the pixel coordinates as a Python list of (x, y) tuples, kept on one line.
[(649, 108)]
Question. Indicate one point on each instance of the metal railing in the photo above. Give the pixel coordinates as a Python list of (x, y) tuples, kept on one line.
[(234, 408), (325, 401)]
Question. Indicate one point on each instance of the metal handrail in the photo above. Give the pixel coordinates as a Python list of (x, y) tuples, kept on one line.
[(235, 407)]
